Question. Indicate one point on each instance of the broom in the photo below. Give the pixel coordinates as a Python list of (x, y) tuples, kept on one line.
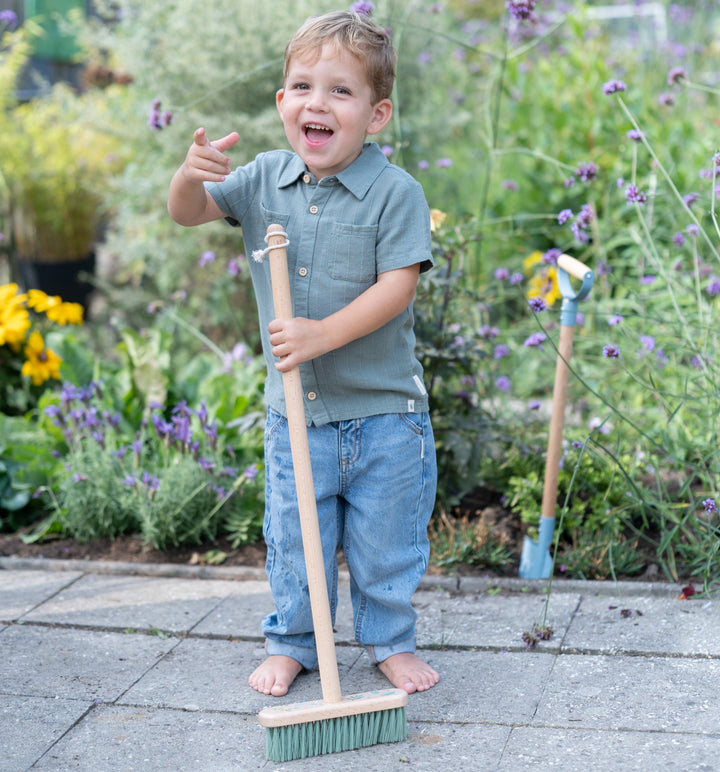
[(334, 723)]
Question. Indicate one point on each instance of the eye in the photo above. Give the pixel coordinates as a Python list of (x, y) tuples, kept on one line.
[(300, 86), (342, 90)]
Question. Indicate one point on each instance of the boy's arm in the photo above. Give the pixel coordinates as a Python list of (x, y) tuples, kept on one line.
[(188, 201), (298, 340)]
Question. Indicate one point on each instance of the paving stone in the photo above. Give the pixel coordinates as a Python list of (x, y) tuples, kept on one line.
[(29, 726), (646, 624), (21, 591), (137, 602), (78, 664)]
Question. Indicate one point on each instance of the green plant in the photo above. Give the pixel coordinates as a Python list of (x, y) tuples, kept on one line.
[(58, 155), (27, 363), (167, 478)]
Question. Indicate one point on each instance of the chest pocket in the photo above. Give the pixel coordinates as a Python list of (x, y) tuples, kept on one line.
[(353, 253)]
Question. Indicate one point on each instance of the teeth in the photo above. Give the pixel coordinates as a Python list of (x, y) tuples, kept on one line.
[(316, 126)]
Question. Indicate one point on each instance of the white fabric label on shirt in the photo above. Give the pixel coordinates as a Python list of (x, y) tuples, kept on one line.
[(411, 406), (420, 385)]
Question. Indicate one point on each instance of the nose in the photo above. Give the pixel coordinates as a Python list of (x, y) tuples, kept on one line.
[(316, 101)]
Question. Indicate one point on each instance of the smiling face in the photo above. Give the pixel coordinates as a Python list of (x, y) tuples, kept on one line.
[(327, 109)]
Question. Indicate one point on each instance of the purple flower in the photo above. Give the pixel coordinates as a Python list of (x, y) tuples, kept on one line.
[(206, 257), (206, 464), (585, 216), (666, 100), (648, 342), (691, 198), (579, 233), (613, 87), (611, 351), (486, 331), (521, 9), (363, 7), (614, 320), (423, 164), (713, 288), (251, 472), (444, 163), (157, 119), (675, 75), (10, 19), (80, 478), (636, 135), (387, 150), (564, 216), (150, 481), (587, 172), (516, 278), (501, 350), (634, 196), (162, 427), (510, 185), (535, 340), (678, 239), (692, 229), (424, 57), (534, 404), (648, 279), (129, 480), (502, 274), (503, 383), (551, 256), (710, 506), (537, 303)]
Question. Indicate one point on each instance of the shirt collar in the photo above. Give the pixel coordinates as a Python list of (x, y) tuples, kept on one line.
[(357, 178)]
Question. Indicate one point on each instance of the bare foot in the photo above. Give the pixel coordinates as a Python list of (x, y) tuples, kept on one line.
[(275, 675), (408, 672)]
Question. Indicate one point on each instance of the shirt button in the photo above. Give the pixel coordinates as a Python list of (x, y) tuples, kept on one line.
[(313, 209), (306, 178), (311, 395), (303, 271)]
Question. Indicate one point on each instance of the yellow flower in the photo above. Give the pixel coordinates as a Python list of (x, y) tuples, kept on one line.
[(531, 261), (544, 282), (436, 219), (14, 318), (38, 300), (66, 313), (41, 363), (545, 285)]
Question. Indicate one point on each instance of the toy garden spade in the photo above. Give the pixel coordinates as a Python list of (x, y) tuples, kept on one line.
[(536, 562)]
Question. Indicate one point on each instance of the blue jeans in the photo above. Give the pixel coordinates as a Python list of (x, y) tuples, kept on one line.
[(375, 481)]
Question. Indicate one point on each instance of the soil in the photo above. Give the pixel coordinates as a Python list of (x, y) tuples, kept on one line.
[(479, 512)]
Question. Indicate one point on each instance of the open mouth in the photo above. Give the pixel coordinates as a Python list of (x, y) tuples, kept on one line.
[(317, 133)]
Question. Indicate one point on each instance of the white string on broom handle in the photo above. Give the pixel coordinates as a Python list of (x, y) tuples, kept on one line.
[(310, 527)]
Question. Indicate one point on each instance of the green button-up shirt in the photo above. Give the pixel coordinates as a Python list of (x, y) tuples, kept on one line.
[(343, 231)]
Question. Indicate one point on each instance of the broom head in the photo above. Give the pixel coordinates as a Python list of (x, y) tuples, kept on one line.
[(313, 728)]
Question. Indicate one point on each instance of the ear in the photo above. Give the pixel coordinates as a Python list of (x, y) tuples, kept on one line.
[(382, 113), (279, 94)]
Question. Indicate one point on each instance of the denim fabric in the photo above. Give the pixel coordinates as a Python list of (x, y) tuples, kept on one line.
[(375, 481)]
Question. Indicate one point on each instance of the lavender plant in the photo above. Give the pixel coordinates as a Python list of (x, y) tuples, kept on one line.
[(171, 479)]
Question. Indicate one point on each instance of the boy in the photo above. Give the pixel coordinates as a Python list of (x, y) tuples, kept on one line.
[(359, 235)]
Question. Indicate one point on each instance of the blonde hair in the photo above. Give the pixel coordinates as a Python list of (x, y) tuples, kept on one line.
[(357, 35)]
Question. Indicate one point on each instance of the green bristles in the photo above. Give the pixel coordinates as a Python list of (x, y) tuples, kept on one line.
[(345, 733)]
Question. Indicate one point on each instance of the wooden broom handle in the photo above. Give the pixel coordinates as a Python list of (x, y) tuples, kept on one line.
[(307, 507)]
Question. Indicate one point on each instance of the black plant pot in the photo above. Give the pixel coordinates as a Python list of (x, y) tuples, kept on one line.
[(63, 279)]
